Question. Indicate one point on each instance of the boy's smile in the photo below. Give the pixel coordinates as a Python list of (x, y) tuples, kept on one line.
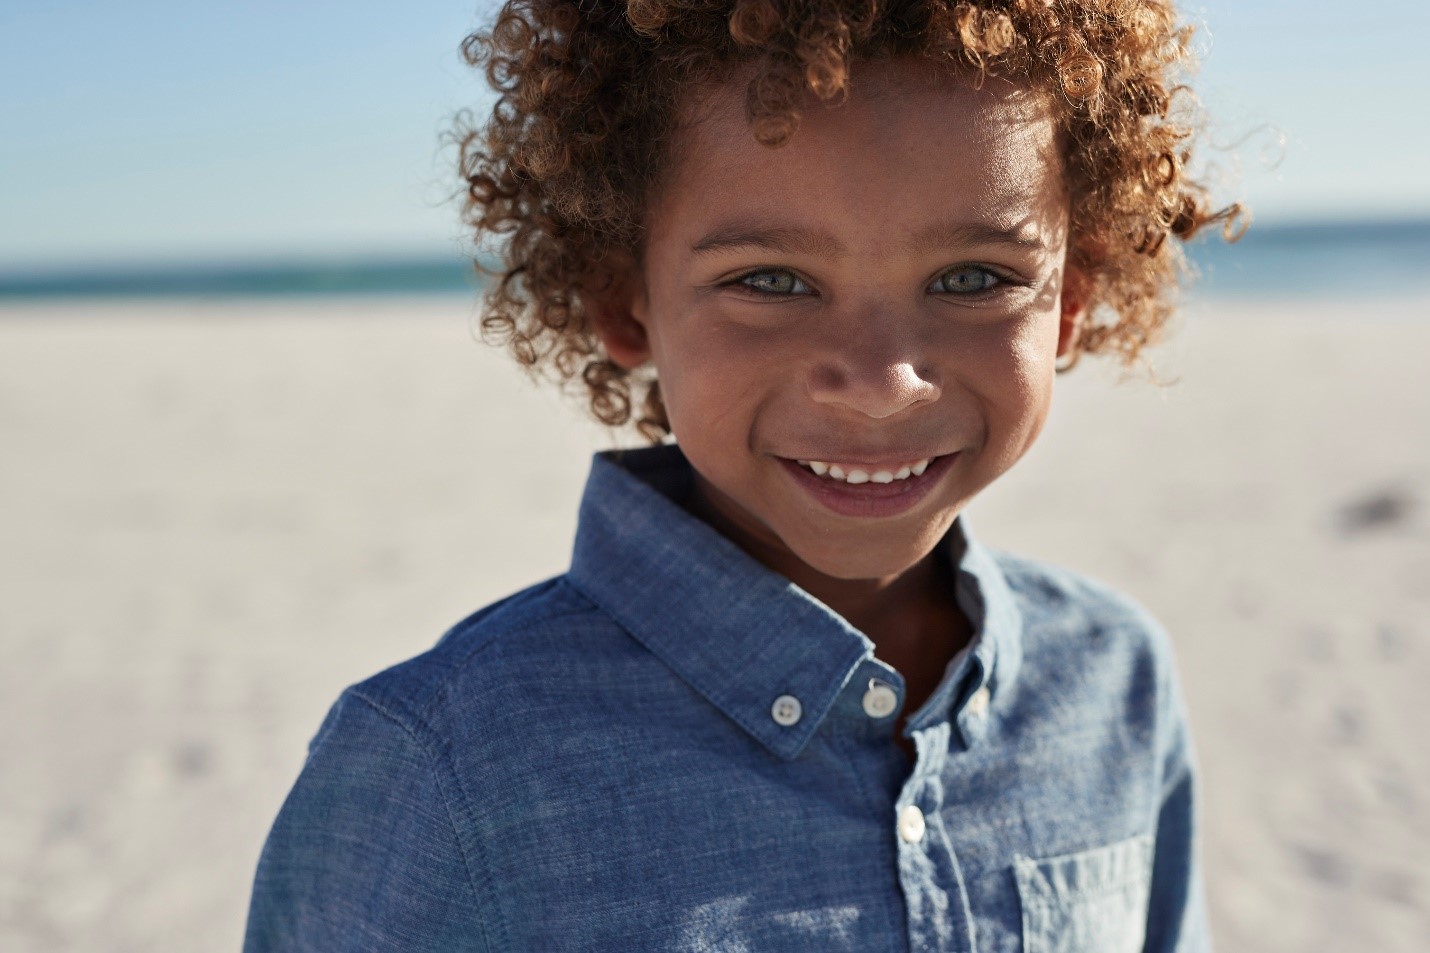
[(856, 332), (869, 489)]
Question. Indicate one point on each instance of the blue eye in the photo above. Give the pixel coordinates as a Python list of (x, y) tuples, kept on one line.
[(774, 283), (965, 279)]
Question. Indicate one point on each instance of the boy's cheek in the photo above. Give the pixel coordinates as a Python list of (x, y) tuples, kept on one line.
[(721, 366), (1011, 355)]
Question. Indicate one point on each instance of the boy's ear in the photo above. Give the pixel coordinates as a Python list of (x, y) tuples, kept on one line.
[(1074, 297), (618, 316)]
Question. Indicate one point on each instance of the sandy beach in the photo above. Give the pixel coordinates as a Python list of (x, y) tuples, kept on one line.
[(213, 516)]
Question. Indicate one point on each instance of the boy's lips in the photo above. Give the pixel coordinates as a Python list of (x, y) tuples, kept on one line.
[(878, 488)]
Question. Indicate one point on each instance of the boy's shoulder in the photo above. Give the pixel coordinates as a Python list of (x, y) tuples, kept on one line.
[(1046, 591), (508, 649), (1071, 622)]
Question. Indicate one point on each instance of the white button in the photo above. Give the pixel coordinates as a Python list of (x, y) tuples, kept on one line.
[(911, 825), (880, 700), (786, 710), (978, 703)]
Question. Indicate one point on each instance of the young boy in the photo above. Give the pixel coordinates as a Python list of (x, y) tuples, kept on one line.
[(783, 700)]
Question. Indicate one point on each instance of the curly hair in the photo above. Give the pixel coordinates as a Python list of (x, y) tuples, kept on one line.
[(561, 172)]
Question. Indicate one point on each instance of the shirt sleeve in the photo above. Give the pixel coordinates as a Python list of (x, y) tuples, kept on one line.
[(1176, 917), (364, 854)]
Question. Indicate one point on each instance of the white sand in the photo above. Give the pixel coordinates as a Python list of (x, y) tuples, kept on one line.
[(214, 517)]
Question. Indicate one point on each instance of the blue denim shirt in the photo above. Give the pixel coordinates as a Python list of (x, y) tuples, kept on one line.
[(672, 748)]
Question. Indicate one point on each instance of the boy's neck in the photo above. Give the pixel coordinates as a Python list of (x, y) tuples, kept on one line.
[(912, 618)]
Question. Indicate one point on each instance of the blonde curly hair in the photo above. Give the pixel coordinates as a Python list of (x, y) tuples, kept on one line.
[(560, 173)]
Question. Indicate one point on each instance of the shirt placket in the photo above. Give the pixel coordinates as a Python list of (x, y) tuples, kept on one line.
[(929, 873)]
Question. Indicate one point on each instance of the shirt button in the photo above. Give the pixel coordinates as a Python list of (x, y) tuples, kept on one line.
[(880, 700), (911, 824), (978, 703), (786, 710)]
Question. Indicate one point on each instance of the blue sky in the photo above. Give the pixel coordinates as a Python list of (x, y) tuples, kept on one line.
[(156, 131)]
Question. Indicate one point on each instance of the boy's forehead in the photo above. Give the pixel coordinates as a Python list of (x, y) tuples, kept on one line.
[(909, 137)]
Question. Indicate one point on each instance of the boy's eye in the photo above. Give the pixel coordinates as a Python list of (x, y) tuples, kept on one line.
[(774, 283), (965, 279)]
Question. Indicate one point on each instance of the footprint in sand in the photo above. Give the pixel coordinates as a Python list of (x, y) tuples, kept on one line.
[(1323, 865), (1391, 643), (1382, 509)]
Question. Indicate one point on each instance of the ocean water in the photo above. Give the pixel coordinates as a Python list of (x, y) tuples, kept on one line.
[(1312, 260), (244, 280), (1316, 260)]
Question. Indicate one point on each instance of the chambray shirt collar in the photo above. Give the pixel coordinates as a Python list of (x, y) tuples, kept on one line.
[(736, 632)]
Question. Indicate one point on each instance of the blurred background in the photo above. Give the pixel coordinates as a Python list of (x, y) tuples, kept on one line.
[(250, 451)]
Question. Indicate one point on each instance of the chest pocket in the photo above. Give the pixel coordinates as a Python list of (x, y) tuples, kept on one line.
[(1094, 901)]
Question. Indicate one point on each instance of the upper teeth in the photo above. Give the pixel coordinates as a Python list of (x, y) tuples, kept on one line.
[(852, 474)]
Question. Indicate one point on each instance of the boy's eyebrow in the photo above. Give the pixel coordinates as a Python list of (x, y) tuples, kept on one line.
[(773, 237), (960, 234), (823, 245)]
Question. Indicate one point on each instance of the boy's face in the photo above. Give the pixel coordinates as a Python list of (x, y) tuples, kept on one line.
[(885, 290)]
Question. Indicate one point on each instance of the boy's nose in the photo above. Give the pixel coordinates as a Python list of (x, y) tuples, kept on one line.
[(876, 386)]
